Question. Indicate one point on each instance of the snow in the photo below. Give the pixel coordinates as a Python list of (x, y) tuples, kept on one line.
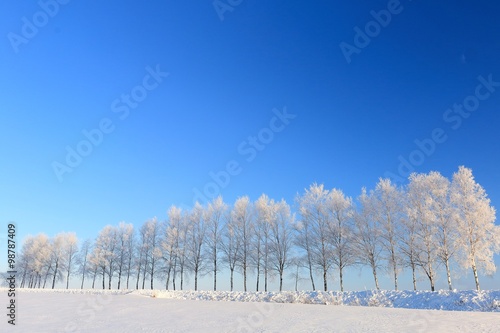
[(42, 310)]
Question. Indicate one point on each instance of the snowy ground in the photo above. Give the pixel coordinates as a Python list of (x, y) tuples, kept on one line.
[(138, 311)]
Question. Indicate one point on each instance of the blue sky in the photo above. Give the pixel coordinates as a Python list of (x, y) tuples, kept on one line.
[(225, 77)]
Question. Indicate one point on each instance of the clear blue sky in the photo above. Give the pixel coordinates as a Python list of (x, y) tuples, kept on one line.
[(353, 120)]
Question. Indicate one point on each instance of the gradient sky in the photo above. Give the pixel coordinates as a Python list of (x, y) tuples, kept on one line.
[(352, 121)]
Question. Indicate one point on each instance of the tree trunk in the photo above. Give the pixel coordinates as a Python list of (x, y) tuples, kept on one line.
[(414, 276), (182, 276), (325, 285), (244, 276), (232, 273), (215, 272), (448, 273), (311, 275), (341, 280), (152, 274), (474, 270), (55, 275)]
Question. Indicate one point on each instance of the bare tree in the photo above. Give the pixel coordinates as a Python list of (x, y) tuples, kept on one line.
[(410, 225), (151, 248), (196, 241), (261, 234), (341, 228), (70, 253), (303, 241), (388, 213), (479, 237), (124, 233), (105, 253), (215, 213), (444, 217), (242, 219), (57, 256), (315, 216), (280, 237), (231, 246), (367, 239), (82, 259)]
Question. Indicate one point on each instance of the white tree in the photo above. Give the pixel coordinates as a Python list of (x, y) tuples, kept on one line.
[(58, 257), (388, 213), (280, 238), (261, 233), (479, 237), (215, 217), (196, 242), (82, 259), (70, 251), (170, 243), (444, 217), (303, 240), (314, 218), (105, 253), (341, 229), (230, 246), (242, 221), (367, 235), (420, 212), (124, 234), (151, 249)]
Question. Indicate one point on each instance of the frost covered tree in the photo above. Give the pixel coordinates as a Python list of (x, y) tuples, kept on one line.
[(367, 235), (150, 233), (196, 242), (444, 217), (55, 260), (280, 238), (230, 246), (242, 221), (170, 241), (420, 214), (341, 231), (105, 253), (70, 251), (387, 210), (260, 255), (82, 260), (315, 222), (215, 218), (124, 234), (36, 260), (303, 240), (478, 236)]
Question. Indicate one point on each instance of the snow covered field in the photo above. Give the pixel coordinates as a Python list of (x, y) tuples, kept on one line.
[(187, 311)]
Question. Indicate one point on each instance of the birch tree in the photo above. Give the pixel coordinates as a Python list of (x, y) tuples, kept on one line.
[(241, 217), (444, 217), (263, 219), (478, 236), (82, 260), (231, 246), (341, 231), (315, 217), (280, 238), (70, 251), (367, 235), (215, 213), (196, 241), (387, 211)]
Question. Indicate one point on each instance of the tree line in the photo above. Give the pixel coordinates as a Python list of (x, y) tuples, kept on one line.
[(430, 225)]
